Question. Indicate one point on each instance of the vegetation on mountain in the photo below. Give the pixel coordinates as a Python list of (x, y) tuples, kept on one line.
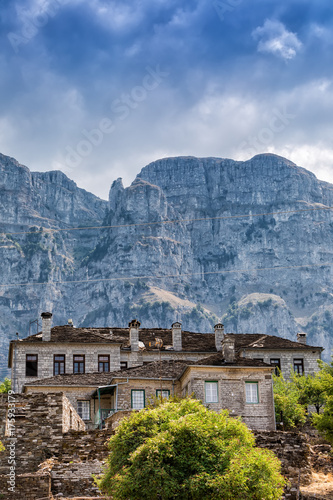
[(182, 450)]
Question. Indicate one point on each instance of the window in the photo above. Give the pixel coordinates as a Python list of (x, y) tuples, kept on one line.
[(211, 392), (299, 366), (123, 365), (252, 393), (138, 399), (103, 363), (276, 362), (78, 363), (31, 365), (165, 393), (83, 409), (59, 364)]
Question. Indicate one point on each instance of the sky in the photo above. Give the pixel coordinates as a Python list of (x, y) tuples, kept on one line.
[(100, 88)]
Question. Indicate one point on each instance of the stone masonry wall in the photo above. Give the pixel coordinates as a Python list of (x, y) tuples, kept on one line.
[(231, 393), (46, 351), (38, 426), (287, 358)]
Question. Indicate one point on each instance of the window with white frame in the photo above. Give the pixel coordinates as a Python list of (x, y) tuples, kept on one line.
[(138, 399), (165, 393), (211, 392), (83, 409), (252, 393)]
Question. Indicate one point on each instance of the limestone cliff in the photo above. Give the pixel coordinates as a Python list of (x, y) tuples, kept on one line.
[(193, 239)]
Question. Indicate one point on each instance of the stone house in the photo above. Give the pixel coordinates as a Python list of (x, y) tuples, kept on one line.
[(65, 349), (104, 370), (223, 380)]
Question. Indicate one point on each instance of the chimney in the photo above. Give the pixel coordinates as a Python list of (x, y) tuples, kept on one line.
[(228, 349), (134, 326), (219, 336), (46, 326), (177, 336), (301, 338)]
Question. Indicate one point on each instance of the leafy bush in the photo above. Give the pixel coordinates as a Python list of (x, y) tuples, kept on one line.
[(5, 386), (182, 450)]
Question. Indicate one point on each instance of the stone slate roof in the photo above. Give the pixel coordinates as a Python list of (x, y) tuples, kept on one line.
[(218, 360), (170, 369), (191, 342), (262, 341), (94, 379)]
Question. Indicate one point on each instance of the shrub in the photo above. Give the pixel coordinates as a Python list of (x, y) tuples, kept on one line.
[(182, 450)]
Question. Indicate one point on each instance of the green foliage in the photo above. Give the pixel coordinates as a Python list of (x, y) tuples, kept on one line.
[(293, 397), (324, 421), (2, 448), (182, 450), (288, 409), (5, 386)]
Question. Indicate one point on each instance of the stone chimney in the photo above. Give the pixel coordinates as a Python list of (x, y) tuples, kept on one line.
[(219, 336), (228, 349), (301, 338), (177, 336), (46, 326), (134, 326)]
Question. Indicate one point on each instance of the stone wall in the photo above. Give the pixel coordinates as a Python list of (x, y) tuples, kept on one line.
[(293, 450), (76, 455), (46, 351), (231, 393), (287, 358), (39, 422), (149, 386), (28, 487)]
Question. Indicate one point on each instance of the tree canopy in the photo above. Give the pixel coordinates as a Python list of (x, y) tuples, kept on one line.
[(294, 398), (182, 450)]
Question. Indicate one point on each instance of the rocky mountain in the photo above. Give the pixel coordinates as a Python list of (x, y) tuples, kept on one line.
[(192, 239)]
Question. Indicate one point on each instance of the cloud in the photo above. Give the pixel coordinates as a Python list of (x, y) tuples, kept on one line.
[(220, 91), (275, 39)]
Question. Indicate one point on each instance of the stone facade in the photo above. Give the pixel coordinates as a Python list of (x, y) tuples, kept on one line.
[(133, 346), (46, 352), (287, 358), (231, 392)]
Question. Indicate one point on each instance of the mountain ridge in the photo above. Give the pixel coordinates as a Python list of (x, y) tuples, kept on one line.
[(192, 239)]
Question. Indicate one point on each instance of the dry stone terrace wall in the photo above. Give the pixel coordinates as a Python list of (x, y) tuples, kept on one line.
[(77, 454), (40, 421), (293, 450)]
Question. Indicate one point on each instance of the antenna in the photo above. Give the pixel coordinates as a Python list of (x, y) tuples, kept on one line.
[(37, 325)]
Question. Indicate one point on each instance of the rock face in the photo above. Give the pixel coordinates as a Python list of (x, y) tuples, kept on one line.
[(192, 239)]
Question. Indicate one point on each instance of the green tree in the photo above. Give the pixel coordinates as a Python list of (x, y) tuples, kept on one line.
[(182, 450), (324, 421), (5, 386), (288, 409)]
